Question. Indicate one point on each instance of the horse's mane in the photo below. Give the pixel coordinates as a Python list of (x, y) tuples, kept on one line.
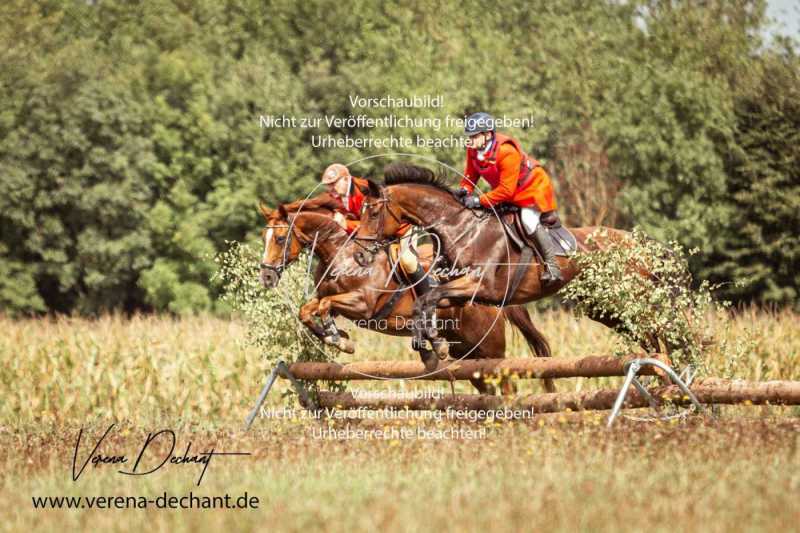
[(397, 173), (321, 201)]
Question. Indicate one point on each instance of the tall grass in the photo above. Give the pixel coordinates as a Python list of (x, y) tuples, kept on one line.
[(198, 377), (201, 369)]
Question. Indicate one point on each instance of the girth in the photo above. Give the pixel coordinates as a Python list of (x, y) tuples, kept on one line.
[(390, 302)]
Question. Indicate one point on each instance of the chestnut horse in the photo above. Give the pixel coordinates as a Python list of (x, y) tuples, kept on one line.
[(474, 244), (346, 288)]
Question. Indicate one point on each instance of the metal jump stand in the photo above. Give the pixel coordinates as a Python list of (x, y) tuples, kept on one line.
[(281, 370), (631, 369)]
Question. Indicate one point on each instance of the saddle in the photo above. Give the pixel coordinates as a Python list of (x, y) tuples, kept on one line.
[(566, 244), (512, 222)]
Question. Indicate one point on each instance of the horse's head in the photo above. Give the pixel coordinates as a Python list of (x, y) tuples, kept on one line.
[(282, 245)]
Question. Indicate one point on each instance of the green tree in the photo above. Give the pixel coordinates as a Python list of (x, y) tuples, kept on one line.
[(762, 246)]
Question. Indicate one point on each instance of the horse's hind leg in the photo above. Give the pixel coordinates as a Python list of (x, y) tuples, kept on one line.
[(519, 317), (482, 386), (481, 334)]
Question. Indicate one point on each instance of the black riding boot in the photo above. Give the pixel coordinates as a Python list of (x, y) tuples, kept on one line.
[(423, 282), (552, 273)]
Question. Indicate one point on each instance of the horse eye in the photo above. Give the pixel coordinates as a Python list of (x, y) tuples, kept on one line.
[(280, 239)]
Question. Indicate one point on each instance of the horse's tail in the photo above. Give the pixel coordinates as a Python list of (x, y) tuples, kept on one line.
[(519, 318)]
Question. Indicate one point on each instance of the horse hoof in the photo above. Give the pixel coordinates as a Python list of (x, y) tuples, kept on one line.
[(442, 349), (429, 359), (416, 344), (341, 344), (346, 345)]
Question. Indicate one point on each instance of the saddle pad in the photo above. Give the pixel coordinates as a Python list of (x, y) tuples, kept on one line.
[(564, 239), (566, 244)]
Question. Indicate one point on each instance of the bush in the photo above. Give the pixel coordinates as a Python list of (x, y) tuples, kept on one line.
[(270, 314), (661, 305)]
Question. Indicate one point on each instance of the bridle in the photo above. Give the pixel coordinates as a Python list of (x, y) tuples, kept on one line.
[(286, 246), (385, 207)]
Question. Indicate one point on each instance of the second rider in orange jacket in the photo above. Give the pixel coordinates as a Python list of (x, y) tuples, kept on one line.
[(516, 179)]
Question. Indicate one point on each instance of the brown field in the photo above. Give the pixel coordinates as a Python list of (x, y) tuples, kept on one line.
[(737, 471)]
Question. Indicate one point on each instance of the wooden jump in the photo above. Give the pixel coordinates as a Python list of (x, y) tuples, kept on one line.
[(541, 367), (708, 391)]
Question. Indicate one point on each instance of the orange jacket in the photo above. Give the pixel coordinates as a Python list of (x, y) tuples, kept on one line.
[(515, 178), (355, 202)]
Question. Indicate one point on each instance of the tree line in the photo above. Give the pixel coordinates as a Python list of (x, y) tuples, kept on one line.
[(131, 149)]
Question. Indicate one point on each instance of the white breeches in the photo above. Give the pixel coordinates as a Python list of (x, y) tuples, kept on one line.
[(530, 218), (407, 246)]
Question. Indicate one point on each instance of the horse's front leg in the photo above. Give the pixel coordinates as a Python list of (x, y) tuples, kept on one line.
[(306, 315), (424, 327), (451, 293), (350, 304)]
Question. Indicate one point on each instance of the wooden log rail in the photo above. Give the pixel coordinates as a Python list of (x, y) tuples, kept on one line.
[(708, 391), (540, 367)]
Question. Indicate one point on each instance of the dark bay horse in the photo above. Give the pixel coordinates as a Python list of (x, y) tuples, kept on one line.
[(473, 242), (346, 288)]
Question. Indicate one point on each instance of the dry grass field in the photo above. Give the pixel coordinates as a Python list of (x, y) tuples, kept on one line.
[(195, 376)]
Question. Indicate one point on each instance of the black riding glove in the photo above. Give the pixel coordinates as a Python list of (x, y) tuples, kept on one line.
[(461, 193), (472, 202)]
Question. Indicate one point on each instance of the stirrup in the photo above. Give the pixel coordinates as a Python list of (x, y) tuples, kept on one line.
[(551, 275)]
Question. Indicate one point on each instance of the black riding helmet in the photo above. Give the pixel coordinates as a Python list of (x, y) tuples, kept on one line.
[(478, 123)]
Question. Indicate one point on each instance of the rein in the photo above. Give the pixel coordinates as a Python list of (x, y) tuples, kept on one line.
[(385, 207), (478, 215)]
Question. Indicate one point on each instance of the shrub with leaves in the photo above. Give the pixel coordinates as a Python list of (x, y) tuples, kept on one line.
[(270, 314), (646, 286)]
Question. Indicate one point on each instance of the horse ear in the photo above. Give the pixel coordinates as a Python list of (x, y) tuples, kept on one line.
[(374, 190), (265, 211), (283, 211)]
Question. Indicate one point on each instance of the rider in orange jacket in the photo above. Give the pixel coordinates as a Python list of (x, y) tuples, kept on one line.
[(516, 179), (348, 190)]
